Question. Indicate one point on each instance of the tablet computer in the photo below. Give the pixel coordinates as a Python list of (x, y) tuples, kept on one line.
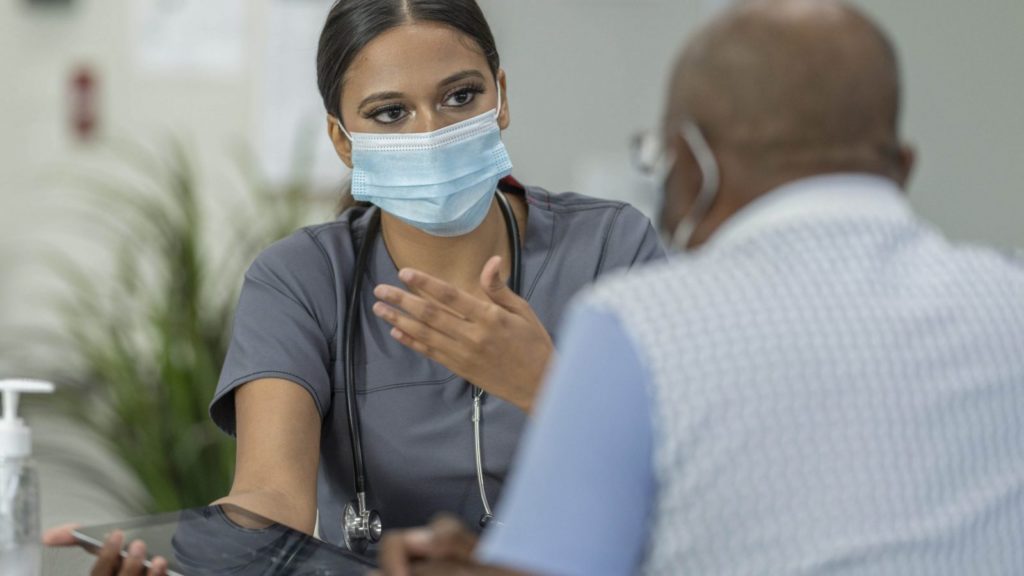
[(227, 539)]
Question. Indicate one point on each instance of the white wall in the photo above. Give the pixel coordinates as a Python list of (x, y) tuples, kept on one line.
[(584, 75), (964, 70), (38, 51), (41, 48)]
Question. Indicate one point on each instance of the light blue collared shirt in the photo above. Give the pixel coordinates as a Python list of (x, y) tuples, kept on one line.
[(581, 493), (828, 387)]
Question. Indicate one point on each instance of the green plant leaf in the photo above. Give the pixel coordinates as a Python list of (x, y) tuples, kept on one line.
[(148, 337)]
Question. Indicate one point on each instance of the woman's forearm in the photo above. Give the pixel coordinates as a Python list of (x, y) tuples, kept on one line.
[(290, 510)]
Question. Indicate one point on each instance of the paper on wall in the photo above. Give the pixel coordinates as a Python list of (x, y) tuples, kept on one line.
[(292, 118), (176, 36)]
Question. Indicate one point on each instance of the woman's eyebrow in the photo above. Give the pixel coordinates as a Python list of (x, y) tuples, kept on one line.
[(378, 96), (461, 76)]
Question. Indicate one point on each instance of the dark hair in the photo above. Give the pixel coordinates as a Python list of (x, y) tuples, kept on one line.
[(352, 24)]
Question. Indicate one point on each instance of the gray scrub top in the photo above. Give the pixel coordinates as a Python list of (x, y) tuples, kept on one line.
[(415, 414)]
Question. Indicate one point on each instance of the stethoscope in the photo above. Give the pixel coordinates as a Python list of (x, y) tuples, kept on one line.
[(362, 526)]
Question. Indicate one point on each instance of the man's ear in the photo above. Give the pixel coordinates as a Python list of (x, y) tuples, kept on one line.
[(505, 118), (342, 145), (907, 162)]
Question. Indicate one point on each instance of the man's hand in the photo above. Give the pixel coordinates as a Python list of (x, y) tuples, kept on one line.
[(497, 343), (445, 541)]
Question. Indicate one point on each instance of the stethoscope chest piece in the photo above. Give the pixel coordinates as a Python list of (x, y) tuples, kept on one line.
[(361, 528)]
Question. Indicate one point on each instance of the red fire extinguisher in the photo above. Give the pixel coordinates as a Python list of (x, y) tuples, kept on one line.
[(84, 103)]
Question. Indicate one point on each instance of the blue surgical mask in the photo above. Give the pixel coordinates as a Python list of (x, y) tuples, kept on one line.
[(441, 182)]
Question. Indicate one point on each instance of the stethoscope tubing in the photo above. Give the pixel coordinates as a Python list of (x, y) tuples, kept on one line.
[(352, 325)]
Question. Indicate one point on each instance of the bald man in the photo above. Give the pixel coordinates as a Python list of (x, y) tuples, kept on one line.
[(821, 384)]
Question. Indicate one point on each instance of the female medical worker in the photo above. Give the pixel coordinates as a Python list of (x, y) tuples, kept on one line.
[(416, 100)]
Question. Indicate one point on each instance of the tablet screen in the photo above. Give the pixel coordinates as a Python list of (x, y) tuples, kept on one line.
[(229, 540)]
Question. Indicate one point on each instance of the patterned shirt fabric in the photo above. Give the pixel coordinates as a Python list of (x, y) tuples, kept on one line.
[(833, 388)]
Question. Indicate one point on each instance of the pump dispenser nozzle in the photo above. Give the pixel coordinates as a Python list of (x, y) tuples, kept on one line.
[(19, 484), (15, 437)]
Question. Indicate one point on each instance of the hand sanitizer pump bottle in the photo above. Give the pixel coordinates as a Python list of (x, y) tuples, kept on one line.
[(20, 548)]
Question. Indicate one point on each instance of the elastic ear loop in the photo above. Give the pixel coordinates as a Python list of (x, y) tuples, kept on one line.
[(342, 128), (710, 182), (497, 114)]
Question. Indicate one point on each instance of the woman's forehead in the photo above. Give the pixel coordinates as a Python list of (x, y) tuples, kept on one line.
[(414, 55)]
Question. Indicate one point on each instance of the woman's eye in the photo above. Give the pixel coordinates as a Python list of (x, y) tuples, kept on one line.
[(389, 115), (461, 98)]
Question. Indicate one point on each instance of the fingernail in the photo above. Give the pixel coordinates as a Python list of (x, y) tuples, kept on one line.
[(406, 275), (117, 538), (137, 549), (419, 537), (380, 291)]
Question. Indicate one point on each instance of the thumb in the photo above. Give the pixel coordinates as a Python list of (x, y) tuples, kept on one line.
[(496, 288), (60, 536), (451, 540), (418, 542)]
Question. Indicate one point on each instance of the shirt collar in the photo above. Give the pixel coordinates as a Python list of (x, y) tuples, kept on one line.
[(814, 199)]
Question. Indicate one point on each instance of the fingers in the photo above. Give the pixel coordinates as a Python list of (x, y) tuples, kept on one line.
[(445, 568), (490, 276), (109, 557), (452, 541), (133, 565), (443, 293), (158, 567), (445, 539), (423, 334), (497, 289), (400, 548), (60, 536), (441, 356), (427, 313), (109, 560)]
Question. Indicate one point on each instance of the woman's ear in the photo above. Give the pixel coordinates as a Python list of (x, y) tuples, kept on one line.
[(505, 118), (342, 145)]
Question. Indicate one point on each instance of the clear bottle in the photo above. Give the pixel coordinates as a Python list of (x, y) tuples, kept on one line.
[(20, 548)]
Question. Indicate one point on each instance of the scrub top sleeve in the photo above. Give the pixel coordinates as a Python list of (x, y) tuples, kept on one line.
[(633, 241), (583, 484), (284, 317)]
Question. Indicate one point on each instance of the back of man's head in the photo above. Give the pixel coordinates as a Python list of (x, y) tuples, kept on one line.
[(793, 87)]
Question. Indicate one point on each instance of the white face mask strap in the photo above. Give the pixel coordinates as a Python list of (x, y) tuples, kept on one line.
[(497, 113), (709, 185), (342, 128)]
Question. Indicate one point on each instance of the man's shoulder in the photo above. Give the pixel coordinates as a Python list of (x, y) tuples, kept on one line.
[(644, 286), (818, 261)]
